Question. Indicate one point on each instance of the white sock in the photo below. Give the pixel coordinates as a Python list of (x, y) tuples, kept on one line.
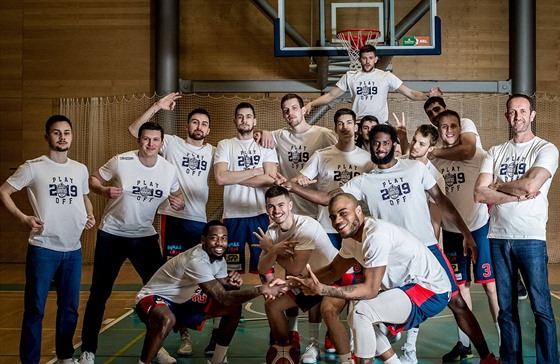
[(345, 358), (216, 322), (463, 338), (219, 354), (393, 360), (292, 323), (499, 333), (314, 329), (412, 336), (140, 362)]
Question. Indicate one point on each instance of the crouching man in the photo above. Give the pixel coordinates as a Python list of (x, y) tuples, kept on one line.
[(193, 287)]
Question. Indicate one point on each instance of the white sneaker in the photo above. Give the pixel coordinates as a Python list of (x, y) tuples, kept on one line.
[(186, 345), (409, 354), (312, 353), (223, 362), (163, 357), (67, 361), (87, 357)]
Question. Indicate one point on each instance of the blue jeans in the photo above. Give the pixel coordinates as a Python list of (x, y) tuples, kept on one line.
[(531, 258), (42, 266), (110, 253)]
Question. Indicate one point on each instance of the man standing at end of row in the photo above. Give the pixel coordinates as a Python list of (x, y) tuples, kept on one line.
[(515, 178), (58, 192)]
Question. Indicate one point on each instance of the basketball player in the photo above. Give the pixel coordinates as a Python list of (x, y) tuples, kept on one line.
[(181, 230), (58, 192), (140, 181), (460, 177), (292, 241), (369, 88), (365, 125), (192, 287), (404, 284)]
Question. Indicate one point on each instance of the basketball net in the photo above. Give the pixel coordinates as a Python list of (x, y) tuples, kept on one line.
[(354, 39)]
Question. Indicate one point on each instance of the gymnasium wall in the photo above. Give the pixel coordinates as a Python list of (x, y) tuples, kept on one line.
[(75, 48)]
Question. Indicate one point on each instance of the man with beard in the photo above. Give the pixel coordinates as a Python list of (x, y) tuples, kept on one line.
[(396, 192), (369, 87), (403, 285), (243, 167), (181, 230), (58, 192), (515, 178), (192, 287)]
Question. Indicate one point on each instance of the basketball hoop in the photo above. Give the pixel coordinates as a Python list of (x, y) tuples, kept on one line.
[(354, 39)]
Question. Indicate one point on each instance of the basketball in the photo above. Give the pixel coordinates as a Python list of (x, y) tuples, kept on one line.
[(278, 354)]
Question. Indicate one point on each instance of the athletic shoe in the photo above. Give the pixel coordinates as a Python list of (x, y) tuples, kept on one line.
[(67, 361), (490, 359), (409, 354), (521, 290), (459, 352), (163, 357), (209, 350), (87, 357), (186, 345), (222, 362), (329, 346), (295, 340), (312, 353)]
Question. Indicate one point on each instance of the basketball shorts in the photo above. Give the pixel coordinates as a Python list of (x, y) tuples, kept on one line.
[(178, 235), (482, 268), (191, 314), (436, 250), (240, 233)]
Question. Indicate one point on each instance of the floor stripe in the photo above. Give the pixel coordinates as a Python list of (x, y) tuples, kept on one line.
[(125, 348)]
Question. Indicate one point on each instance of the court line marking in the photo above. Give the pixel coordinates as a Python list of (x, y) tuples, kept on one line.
[(124, 348), (112, 323)]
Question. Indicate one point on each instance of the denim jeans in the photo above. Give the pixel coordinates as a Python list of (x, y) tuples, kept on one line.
[(531, 258), (110, 253), (42, 266)]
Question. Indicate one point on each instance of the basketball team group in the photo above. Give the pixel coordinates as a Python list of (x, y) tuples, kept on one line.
[(353, 222)]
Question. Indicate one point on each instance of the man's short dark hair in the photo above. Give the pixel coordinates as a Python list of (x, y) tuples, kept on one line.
[(384, 128), (244, 105), (55, 119), (344, 111), (367, 48), (428, 130), (198, 111), (447, 113), (523, 96), (433, 100), (209, 224), (370, 118), (276, 191), (150, 125), (289, 97)]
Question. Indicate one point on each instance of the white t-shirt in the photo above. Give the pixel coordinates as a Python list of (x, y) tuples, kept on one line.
[(460, 178), (333, 168), (56, 193), (311, 236), (407, 261), (179, 278), (193, 167), (239, 200), (369, 92), (144, 188), (468, 126), (509, 162), (294, 150), (398, 195)]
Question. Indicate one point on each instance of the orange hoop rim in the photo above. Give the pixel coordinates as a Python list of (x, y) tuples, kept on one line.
[(357, 41)]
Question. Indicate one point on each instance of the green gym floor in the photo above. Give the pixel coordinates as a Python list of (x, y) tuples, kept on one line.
[(123, 333)]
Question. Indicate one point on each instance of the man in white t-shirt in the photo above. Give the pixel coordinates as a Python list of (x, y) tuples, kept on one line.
[(515, 178), (403, 285), (193, 159), (460, 177), (292, 241), (295, 144), (141, 180), (58, 192), (243, 167), (192, 287), (369, 88)]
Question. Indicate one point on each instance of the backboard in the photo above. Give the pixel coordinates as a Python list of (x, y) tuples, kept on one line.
[(309, 27)]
